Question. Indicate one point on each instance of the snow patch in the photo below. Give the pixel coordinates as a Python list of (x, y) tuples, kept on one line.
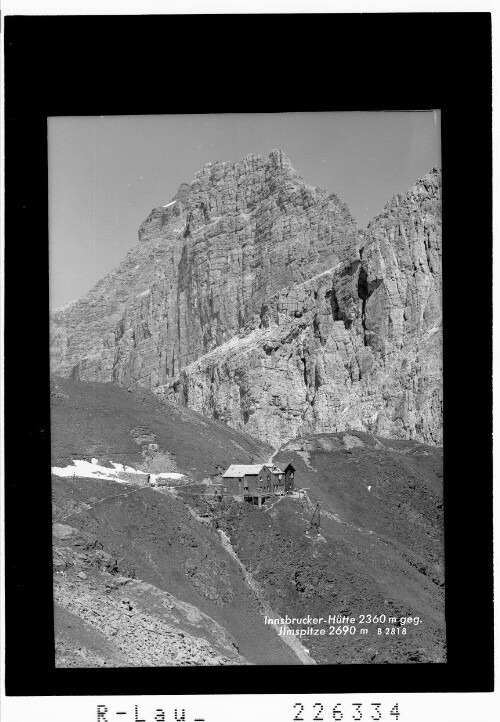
[(169, 204), (92, 470), (153, 478), (126, 469)]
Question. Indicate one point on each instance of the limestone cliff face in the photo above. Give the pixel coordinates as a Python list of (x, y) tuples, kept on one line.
[(253, 298), (205, 264), (356, 347)]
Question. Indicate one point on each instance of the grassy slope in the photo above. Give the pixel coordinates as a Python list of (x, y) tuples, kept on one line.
[(381, 549), (94, 420), (380, 552), (147, 534)]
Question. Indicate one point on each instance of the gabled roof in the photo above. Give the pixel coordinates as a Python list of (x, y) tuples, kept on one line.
[(274, 469), (239, 470)]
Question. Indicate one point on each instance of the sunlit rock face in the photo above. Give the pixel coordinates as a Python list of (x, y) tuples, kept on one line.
[(254, 298)]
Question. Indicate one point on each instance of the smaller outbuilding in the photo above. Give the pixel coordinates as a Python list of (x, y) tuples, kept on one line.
[(289, 478)]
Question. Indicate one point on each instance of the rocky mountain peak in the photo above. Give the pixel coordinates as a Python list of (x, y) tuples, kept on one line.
[(254, 298), (281, 160), (182, 192), (423, 196)]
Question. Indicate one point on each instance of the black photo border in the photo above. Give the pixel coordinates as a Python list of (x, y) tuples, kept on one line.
[(113, 65)]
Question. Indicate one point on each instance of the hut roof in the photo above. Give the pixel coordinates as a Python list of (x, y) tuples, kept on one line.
[(240, 470)]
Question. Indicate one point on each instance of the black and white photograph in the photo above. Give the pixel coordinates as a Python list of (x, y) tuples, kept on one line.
[(247, 366), (246, 389)]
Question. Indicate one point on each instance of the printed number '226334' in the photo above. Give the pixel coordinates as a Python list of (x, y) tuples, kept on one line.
[(356, 711)]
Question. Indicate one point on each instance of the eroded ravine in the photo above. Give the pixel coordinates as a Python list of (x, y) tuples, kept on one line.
[(282, 630)]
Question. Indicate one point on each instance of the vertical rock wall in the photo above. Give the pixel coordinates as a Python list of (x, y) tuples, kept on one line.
[(252, 297), (356, 347), (205, 263)]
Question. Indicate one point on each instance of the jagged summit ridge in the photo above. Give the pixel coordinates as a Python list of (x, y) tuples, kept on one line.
[(204, 265), (424, 194), (254, 298), (226, 187)]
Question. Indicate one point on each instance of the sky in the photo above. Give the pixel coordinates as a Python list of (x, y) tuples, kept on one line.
[(106, 173)]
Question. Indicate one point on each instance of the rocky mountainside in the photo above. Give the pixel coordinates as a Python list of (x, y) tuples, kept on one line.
[(139, 578), (205, 263), (174, 575), (253, 298)]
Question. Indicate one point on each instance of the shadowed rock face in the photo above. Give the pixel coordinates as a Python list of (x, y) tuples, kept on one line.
[(253, 298)]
